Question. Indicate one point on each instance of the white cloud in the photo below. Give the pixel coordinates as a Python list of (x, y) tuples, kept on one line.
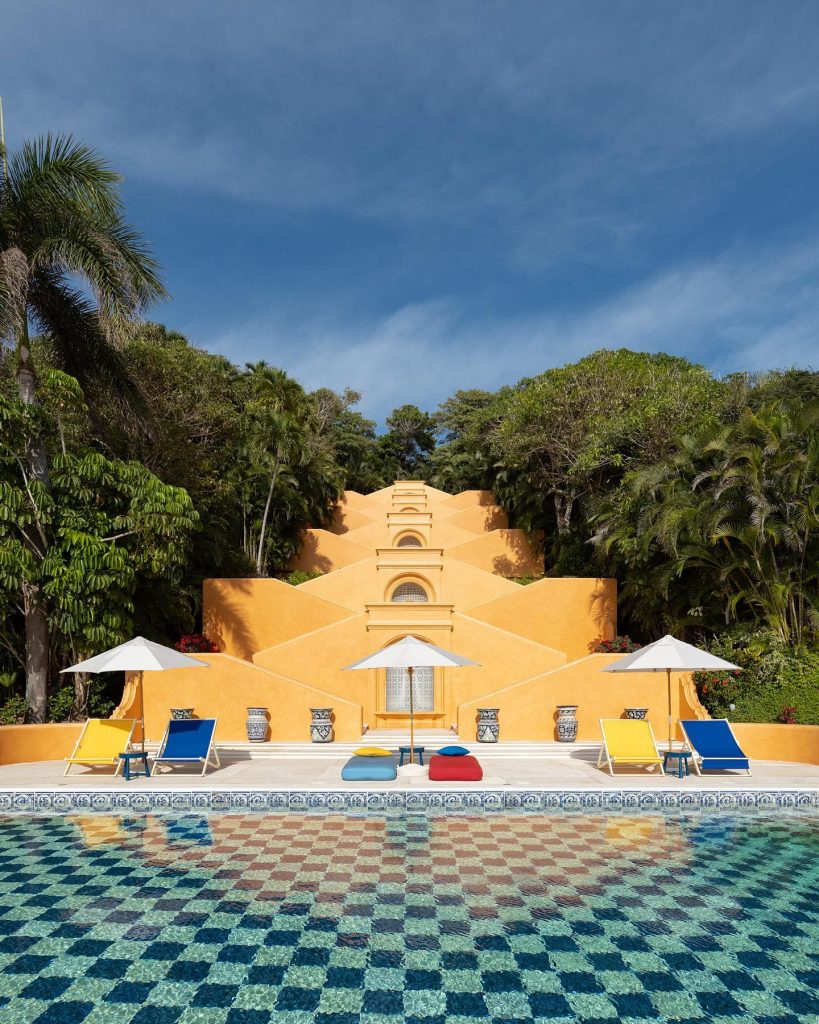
[(741, 311)]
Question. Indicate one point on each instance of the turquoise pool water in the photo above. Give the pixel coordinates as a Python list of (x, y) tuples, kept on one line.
[(340, 919)]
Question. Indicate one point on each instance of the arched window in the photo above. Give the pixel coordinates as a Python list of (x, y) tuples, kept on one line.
[(409, 593), (423, 689), (409, 508), (409, 541)]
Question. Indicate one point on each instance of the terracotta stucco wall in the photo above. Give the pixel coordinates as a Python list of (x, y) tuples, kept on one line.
[(350, 587), (346, 518), (244, 616), (466, 499), (528, 709), (319, 658), (478, 518), (568, 613), (323, 551), (779, 742), (226, 689), (504, 552), (467, 587), (22, 744)]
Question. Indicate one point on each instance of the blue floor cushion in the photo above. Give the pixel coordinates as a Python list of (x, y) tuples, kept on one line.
[(369, 769)]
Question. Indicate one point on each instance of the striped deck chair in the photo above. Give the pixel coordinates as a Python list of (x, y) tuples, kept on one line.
[(101, 742), (628, 741)]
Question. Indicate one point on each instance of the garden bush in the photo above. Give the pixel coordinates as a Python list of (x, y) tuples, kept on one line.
[(300, 576), (777, 682)]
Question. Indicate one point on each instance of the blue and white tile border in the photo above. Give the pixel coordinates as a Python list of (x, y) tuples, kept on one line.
[(141, 800)]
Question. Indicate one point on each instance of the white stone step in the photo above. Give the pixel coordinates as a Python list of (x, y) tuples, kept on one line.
[(519, 750)]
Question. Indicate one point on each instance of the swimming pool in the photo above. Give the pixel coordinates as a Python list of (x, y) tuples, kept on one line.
[(379, 918)]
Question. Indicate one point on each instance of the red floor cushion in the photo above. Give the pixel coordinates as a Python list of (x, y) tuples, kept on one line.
[(455, 769)]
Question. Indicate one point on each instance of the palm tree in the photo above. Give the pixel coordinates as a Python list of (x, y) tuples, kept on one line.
[(74, 270)]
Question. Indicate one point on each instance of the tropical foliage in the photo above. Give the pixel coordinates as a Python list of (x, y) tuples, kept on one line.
[(133, 465)]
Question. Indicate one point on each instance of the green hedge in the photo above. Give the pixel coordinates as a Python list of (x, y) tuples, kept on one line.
[(774, 677)]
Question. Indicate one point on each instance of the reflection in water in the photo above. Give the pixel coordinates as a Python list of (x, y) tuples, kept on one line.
[(529, 916)]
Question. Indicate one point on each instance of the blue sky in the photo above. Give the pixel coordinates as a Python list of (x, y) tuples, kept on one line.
[(412, 198)]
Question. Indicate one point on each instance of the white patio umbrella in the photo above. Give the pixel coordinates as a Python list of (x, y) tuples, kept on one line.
[(669, 655), (411, 653), (137, 655)]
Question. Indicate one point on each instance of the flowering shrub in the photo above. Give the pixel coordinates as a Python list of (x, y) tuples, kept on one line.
[(619, 645), (196, 643), (774, 677), (788, 715), (718, 690)]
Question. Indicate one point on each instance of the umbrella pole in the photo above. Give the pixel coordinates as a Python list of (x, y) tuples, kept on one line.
[(412, 719), (670, 716), (141, 711)]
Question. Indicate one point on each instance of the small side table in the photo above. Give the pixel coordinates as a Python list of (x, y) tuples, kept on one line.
[(681, 757), (134, 755), (405, 752)]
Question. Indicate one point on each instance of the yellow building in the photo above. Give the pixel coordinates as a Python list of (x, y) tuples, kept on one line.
[(408, 560)]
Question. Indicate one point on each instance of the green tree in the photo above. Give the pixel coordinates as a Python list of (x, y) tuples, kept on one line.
[(408, 442), (569, 435), (286, 473), (61, 227), (86, 539), (353, 439), (726, 529), (190, 437), (467, 455)]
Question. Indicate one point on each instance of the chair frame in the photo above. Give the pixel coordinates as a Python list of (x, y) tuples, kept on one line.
[(72, 760), (618, 760), (689, 746), (206, 760)]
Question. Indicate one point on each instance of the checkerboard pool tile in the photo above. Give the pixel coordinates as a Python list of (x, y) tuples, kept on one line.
[(336, 918)]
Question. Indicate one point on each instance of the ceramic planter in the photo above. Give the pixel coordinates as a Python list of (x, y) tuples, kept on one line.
[(567, 723), (256, 724), (488, 727), (636, 712), (321, 725), (181, 714)]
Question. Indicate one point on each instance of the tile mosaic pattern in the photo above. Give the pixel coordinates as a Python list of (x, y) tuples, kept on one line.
[(122, 798), (432, 917)]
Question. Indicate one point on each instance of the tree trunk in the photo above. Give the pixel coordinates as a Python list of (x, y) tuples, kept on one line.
[(82, 689), (263, 529), (37, 648), (37, 653)]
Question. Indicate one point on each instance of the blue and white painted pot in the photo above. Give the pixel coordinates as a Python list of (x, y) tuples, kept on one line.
[(321, 725), (567, 723), (256, 724), (488, 727)]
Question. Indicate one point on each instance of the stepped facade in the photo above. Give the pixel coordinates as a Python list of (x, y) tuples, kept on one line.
[(407, 560)]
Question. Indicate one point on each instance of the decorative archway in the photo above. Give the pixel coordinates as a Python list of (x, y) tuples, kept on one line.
[(409, 592)]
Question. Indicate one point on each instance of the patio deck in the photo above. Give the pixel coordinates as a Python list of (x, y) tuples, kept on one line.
[(306, 767)]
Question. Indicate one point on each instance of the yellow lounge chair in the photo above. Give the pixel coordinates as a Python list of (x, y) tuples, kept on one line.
[(628, 741), (101, 741)]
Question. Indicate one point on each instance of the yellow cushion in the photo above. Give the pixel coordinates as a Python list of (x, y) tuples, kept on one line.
[(372, 752)]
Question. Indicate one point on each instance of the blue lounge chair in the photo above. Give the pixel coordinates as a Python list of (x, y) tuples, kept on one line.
[(370, 769), (188, 741), (712, 741)]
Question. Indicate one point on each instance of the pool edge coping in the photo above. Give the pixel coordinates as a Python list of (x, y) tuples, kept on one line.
[(42, 799)]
